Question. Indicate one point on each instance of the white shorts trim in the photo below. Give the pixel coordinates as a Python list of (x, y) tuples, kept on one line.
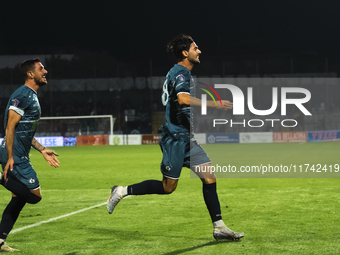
[(173, 178)]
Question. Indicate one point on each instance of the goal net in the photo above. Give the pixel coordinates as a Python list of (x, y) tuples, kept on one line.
[(72, 126)]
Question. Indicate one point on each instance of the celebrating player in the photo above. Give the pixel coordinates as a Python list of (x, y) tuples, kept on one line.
[(21, 120), (177, 141)]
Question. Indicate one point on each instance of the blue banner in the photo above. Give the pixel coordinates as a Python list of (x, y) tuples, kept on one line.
[(70, 141), (319, 136), (55, 141), (51, 141)]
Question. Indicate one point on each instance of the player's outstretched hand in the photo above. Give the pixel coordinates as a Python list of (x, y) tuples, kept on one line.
[(226, 105), (50, 157)]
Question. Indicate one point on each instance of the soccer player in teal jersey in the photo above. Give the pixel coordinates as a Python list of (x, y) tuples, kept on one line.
[(21, 120), (177, 140)]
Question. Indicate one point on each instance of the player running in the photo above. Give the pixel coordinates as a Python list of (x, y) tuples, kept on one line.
[(21, 120), (177, 141)]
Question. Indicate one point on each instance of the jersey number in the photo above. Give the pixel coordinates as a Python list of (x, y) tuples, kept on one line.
[(165, 93)]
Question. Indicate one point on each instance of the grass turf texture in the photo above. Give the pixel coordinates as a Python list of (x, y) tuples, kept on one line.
[(278, 216)]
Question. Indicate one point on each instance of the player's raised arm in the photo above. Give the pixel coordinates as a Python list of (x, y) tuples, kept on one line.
[(186, 99), (48, 154), (13, 120)]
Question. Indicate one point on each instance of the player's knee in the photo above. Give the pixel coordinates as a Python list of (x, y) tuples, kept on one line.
[(169, 189), (208, 180), (169, 185), (34, 199)]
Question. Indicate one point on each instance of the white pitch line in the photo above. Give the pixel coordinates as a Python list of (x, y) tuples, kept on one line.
[(56, 218)]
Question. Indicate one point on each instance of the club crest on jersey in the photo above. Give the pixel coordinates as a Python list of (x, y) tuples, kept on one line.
[(15, 102)]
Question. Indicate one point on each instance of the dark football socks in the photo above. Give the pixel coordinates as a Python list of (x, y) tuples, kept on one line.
[(21, 190), (211, 201), (146, 187), (10, 216)]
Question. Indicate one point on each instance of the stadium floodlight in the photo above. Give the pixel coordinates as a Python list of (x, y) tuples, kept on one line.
[(76, 125)]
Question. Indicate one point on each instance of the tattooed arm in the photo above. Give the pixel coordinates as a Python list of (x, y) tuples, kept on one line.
[(36, 145), (49, 155)]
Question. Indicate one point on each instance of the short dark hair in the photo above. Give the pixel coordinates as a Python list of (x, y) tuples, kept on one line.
[(28, 65), (178, 44)]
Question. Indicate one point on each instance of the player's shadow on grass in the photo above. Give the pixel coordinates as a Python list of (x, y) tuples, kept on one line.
[(211, 243), (136, 235)]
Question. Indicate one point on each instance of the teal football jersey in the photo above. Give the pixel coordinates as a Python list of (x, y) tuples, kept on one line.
[(178, 118), (23, 101)]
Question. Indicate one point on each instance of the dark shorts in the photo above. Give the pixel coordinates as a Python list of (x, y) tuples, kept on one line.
[(25, 173), (180, 151)]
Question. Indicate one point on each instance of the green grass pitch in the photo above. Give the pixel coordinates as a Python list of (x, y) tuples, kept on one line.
[(277, 215)]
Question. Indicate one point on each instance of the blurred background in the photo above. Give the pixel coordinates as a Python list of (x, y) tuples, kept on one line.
[(109, 57)]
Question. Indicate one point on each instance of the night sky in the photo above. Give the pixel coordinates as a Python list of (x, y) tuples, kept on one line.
[(135, 31)]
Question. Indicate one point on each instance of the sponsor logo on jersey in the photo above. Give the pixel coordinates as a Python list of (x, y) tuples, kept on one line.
[(181, 77), (15, 102)]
